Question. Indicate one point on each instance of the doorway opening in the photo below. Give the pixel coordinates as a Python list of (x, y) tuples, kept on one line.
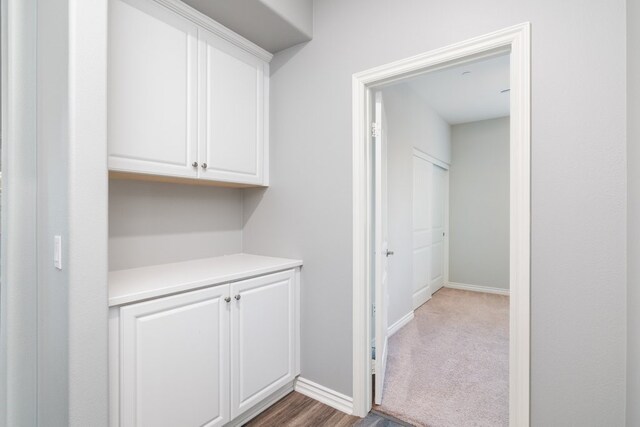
[(371, 249)]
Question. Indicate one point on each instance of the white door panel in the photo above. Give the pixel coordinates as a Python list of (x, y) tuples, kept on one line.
[(381, 297), (232, 112), (439, 188), (262, 338), (437, 261), (153, 94), (422, 238), (175, 361), (421, 260), (429, 223), (422, 235)]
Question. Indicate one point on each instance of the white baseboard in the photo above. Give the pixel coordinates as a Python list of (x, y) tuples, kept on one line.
[(477, 288), (325, 395), (400, 323), (421, 296)]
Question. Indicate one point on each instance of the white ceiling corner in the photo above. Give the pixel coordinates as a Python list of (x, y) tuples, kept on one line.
[(273, 25), (471, 97)]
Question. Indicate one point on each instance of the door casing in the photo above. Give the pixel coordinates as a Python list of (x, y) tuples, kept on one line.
[(517, 41)]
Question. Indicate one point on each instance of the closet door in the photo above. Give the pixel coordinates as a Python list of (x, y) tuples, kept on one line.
[(174, 360), (263, 346), (152, 100), (232, 112), (438, 194), (422, 187)]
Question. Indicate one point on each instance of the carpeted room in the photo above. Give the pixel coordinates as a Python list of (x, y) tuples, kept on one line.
[(448, 136)]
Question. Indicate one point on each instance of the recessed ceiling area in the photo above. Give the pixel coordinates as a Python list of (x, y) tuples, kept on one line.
[(467, 93), (273, 25)]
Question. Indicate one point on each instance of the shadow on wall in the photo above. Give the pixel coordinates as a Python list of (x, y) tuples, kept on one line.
[(282, 57), (152, 223), (148, 208), (251, 200)]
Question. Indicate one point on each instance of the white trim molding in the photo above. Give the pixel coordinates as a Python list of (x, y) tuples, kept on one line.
[(324, 395), (400, 323), (216, 28), (424, 156), (477, 288), (516, 41), (420, 297)]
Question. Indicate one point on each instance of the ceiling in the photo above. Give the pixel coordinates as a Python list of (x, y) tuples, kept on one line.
[(273, 25), (467, 93)]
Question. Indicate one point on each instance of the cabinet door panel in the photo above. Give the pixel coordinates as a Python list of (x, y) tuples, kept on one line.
[(175, 360), (263, 335), (152, 103), (232, 112)]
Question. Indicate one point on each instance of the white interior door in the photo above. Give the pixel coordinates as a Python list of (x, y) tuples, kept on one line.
[(430, 190), (381, 298), (438, 194), (422, 183)]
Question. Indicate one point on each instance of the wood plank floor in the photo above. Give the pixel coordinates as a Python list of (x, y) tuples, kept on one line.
[(297, 410)]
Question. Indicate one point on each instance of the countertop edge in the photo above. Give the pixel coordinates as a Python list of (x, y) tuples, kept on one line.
[(205, 282)]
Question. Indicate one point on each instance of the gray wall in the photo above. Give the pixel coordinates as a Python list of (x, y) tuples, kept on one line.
[(410, 123), (633, 213), (18, 284), (298, 12), (154, 223), (479, 204), (578, 184), (53, 200)]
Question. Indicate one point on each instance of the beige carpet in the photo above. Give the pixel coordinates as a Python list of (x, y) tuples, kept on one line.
[(449, 367)]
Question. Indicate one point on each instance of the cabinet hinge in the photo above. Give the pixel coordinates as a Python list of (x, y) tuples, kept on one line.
[(375, 130), (373, 366)]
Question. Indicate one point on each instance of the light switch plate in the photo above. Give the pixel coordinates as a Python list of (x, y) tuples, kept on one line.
[(57, 252)]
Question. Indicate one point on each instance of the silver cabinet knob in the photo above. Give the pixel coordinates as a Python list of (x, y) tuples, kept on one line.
[(227, 299), (194, 164), (204, 166), (237, 297)]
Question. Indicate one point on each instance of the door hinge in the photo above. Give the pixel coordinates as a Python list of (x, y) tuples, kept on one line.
[(373, 366), (375, 130)]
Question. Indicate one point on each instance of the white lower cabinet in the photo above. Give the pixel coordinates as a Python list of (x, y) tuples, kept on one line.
[(204, 357), (262, 338), (175, 360)]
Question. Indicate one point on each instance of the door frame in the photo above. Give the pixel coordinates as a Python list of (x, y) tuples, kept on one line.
[(516, 40)]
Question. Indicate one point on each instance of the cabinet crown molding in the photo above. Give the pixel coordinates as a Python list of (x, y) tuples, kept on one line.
[(216, 28)]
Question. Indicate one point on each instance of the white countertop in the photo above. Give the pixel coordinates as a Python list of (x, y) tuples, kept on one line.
[(135, 284)]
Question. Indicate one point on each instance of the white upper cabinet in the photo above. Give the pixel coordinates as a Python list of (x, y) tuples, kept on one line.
[(187, 97), (232, 113), (153, 92)]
